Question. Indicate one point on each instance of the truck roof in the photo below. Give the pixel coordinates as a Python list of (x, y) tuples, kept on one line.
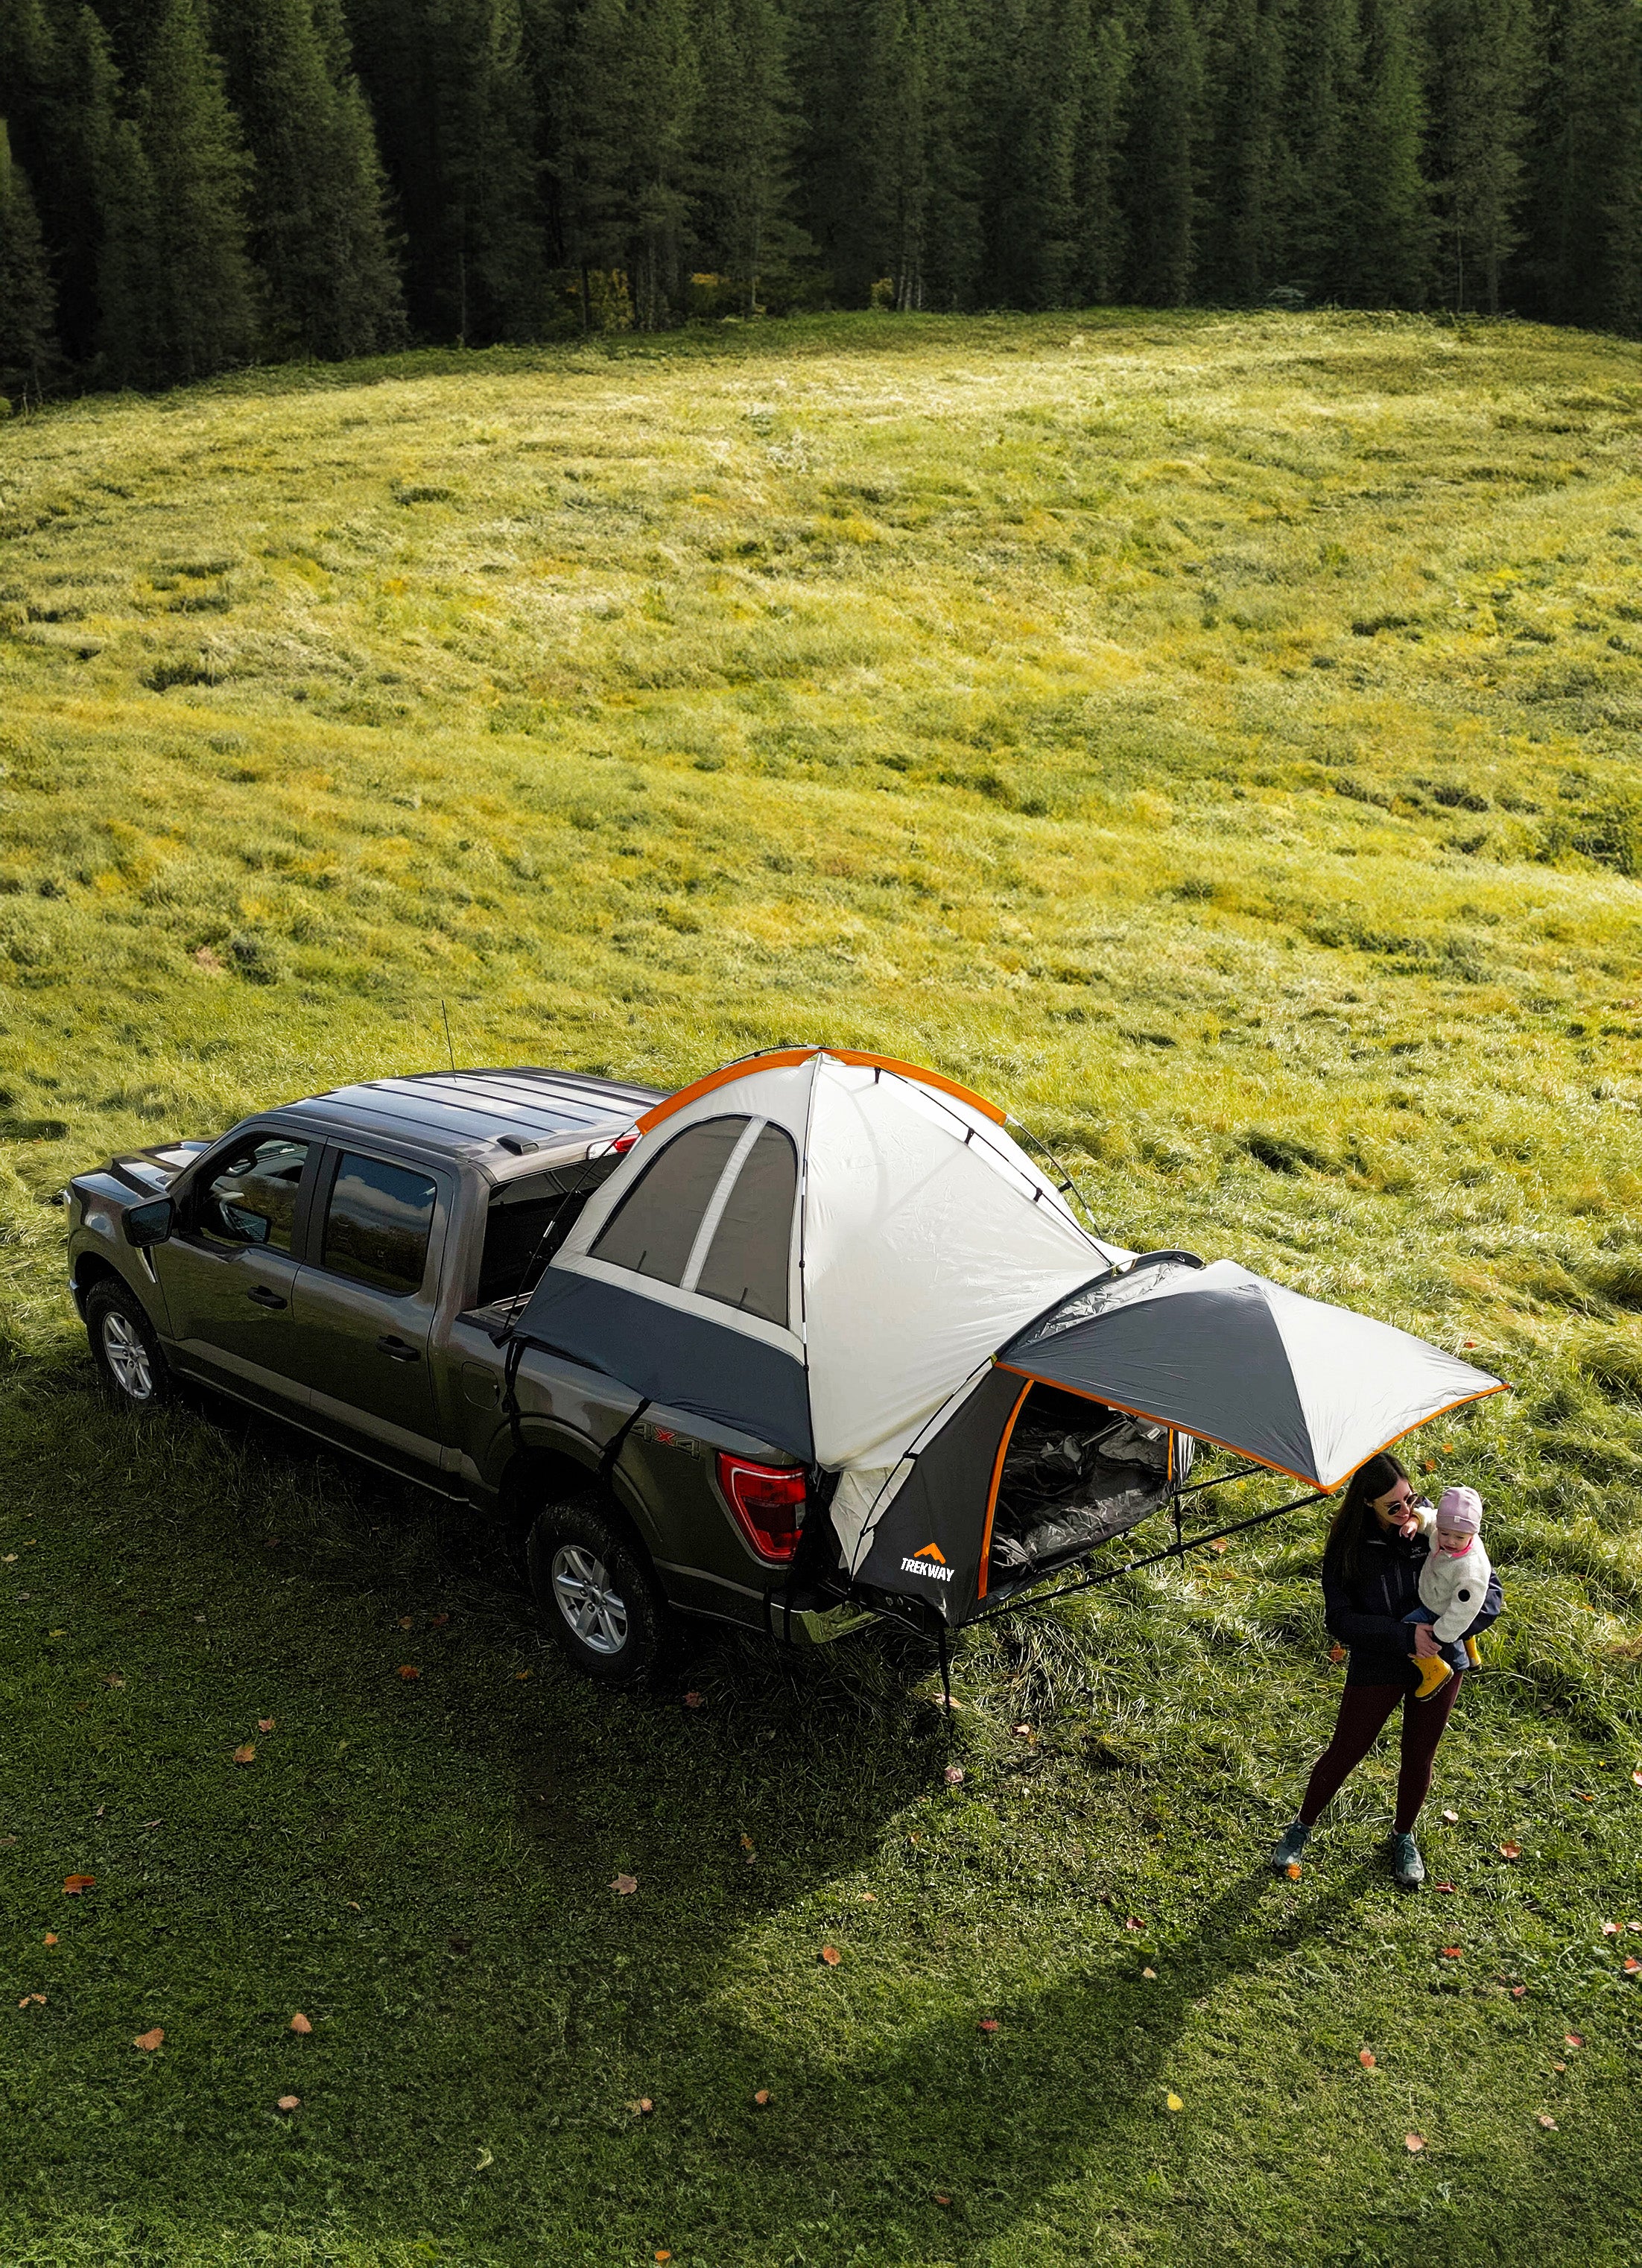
[(514, 1111)]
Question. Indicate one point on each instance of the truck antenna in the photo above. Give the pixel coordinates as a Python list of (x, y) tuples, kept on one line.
[(445, 1013)]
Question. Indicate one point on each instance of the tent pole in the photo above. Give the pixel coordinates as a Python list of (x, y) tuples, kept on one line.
[(946, 1668)]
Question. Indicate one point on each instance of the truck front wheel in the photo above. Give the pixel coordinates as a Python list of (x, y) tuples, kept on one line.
[(125, 1346), (600, 1599)]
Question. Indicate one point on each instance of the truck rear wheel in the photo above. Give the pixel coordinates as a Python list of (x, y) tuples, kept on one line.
[(125, 1346), (599, 1597)]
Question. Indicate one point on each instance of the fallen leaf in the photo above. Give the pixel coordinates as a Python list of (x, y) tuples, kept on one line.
[(869, 1897), (407, 1670), (1547, 2121), (300, 2025), (1293, 1870), (1172, 2102), (1336, 1653), (1452, 1818), (1610, 1929), (746, 1842), (1413, 2143), (1573, 2039), (1631, 1965), (1134, 1922), (1511, 1850), (1152, 1973), (405, 1622), (32, 1999), (761, 2098), (438, 1622), (1559, 2066), (831, 1956), (354, 1904), (1219, 1544), (10, 1560), (1365, 2056), (941, 1701), (483, 2159), (289, 2102), (1636, 1777), (1022, 1732), (954, 1775), (1634, 1924), (643, 2106), (692, 1700), (246, 1755), (1583, 1797), (114, 1680), (50, 1936), (1518, 1990), (264, 1724), (149, 2041), (1446, 1887), (943, 2197), (520, 1676), (74, 1883), (664, 2256), (624, 1885), (1453, 1952), (987, 2024), (56, 1633)]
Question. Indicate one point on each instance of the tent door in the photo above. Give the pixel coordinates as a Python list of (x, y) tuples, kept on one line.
[(1073, 1475)]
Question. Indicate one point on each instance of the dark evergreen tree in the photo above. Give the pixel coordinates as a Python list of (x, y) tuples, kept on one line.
[(1316, 226), (1102, 124), (1390, 265), (1585, 255), (745, 128), (202, 285), (317, 223), (1481, 52), (451, 92), (1160, 187), (28, 344), (1244, 91)]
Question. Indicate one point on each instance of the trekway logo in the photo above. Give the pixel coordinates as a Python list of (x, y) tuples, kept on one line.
[(931, 1562)]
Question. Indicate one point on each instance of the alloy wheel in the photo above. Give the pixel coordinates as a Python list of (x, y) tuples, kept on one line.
[(127, 1356), (594, 1611)]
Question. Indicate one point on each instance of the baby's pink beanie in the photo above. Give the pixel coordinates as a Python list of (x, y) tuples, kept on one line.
[(1459, 1508)]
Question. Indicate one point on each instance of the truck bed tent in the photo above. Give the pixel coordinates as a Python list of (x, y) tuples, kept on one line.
[(851, 1259)]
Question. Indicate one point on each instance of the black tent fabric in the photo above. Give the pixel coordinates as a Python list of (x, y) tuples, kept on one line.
[(931, 1544), (690, 1363)]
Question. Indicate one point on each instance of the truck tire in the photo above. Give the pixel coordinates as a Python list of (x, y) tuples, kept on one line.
[(597, 1593), (125, 1346)]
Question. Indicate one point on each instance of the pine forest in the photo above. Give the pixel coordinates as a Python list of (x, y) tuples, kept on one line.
[(190, 185)]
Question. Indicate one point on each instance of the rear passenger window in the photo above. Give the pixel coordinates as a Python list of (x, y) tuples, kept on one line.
[(653, 1228), (527, 1219), (378, 1223)]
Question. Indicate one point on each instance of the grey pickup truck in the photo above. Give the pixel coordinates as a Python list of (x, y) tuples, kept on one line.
[(352, 1263)]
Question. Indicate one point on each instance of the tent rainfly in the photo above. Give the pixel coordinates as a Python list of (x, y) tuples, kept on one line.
[(850, 1259)]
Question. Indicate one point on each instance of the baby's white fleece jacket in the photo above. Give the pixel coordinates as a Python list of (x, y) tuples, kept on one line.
[(1455, 1589)]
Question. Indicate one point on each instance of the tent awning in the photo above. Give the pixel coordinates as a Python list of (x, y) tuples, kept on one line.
[(1295, 1384)]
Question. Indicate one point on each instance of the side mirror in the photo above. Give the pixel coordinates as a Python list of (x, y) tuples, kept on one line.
[(149, 1224)]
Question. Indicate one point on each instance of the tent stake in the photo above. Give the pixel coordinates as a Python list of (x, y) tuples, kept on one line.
[(946, 1670)]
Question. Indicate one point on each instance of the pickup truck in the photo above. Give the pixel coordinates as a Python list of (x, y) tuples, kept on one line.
[(351, 1263)]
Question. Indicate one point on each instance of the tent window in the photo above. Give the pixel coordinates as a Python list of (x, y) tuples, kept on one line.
[(747, 1263), (653, 1228)]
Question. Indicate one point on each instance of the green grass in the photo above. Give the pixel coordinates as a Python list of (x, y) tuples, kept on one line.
[(1217, 738)]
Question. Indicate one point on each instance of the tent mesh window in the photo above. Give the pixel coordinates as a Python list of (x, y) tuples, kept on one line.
[(747, 1262), (1075, 1474), (652, 1230)]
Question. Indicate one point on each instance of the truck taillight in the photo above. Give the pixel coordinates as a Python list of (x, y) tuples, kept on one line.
[(768, 1501)]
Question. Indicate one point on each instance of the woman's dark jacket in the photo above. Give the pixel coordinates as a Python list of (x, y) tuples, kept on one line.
[(1366, 1612)]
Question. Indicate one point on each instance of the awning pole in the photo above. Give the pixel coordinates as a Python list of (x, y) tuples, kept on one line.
[(946, 1668)]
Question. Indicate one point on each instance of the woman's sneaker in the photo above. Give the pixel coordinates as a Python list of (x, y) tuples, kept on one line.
[(1288, 1851), (1406, 1864)]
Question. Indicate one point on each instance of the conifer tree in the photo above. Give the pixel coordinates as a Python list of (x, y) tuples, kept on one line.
[(1480, 53), (745, 130), (952, 95), (203, 286), (316, 207), (1239, 215), (1391, 214), (1102, 128), (28, 346), (1160, 156), (1317, 221)]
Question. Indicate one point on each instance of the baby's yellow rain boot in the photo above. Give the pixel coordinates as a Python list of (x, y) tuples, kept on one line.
[(1433, 1672)]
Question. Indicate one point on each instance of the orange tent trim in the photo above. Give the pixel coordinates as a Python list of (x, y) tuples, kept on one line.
[(782, 1058)]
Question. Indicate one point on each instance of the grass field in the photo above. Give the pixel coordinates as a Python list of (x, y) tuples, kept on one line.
[(1216, 738)]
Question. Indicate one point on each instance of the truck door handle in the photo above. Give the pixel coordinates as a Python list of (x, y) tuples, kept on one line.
[(264, 1298), (396, 1350)]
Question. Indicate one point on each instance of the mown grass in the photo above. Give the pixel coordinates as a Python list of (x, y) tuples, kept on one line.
[(1214, 737)]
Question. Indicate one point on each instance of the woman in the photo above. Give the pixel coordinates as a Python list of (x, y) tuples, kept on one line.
[(1370, 1581)]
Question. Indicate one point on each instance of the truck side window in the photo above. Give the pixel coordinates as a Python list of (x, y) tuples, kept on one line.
[(654, 1229), (378, 1223), (252, 1196)]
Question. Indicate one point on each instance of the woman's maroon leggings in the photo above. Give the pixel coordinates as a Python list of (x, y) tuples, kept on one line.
[(1363, 1711)]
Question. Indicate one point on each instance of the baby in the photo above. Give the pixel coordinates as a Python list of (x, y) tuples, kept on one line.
[(1453, 1585)]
